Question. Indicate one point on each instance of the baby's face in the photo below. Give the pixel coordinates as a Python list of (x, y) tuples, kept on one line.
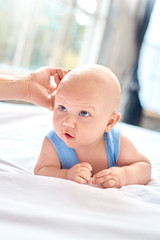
[(81, 114)]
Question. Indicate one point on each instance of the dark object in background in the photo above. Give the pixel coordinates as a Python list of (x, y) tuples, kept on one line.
[(133, 108)]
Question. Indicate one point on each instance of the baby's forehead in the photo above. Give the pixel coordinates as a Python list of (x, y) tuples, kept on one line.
[(85, 78), (93, 77)]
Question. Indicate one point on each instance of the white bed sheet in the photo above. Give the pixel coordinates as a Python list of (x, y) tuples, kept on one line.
[(38, 208)]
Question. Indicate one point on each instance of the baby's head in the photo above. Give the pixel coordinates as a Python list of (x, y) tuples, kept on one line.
[(93, 80), (90, 92)]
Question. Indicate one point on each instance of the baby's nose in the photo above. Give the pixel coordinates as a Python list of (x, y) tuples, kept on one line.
[(69, 122)]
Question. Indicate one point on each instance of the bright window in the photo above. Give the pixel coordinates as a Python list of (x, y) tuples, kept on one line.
[(37, 33)]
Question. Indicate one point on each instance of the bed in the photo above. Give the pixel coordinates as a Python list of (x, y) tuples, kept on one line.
[(38, 208)]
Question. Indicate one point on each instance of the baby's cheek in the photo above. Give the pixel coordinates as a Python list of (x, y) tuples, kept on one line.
[(56, 120)]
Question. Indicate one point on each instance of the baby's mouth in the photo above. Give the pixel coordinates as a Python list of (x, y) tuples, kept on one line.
[(68, 136)]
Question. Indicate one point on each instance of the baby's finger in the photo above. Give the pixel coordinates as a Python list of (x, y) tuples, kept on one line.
[(85, 169), (85, 175), (110, 184), (87, 165), (80, 179), (102, 179), (102, 173)]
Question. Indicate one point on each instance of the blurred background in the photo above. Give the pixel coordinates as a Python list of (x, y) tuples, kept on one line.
[(120, 34)]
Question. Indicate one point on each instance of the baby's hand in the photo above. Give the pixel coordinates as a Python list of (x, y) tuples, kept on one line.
[(114, 177), (80, 173)]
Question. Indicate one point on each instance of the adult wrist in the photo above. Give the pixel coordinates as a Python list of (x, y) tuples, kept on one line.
[(12, 87)]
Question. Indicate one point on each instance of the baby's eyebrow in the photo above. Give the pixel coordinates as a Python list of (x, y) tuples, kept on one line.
[(88, 107), (57, 98), (81, 105)]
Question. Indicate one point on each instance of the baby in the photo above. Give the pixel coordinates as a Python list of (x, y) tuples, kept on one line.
[(85, 142)]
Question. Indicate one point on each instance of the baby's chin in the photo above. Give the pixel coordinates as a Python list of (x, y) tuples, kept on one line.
[(69, 140)]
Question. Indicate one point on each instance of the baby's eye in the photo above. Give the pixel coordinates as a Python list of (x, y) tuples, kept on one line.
[(62, 108), (84, 114)]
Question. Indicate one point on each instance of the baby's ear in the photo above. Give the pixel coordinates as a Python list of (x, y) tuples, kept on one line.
[(115, 117)]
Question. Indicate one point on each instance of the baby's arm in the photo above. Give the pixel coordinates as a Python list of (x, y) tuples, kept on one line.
[(134, 168), (48, 164)]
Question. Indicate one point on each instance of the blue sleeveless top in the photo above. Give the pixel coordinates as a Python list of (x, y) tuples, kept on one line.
[(68, 156)]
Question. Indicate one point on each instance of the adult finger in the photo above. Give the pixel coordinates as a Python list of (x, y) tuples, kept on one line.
[(52, 71), (61, 72), (57, 79)]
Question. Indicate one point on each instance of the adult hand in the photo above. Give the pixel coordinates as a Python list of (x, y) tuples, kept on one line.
[(39, 87)]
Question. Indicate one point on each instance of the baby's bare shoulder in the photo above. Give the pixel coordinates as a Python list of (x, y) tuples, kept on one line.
[(48, 155)]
